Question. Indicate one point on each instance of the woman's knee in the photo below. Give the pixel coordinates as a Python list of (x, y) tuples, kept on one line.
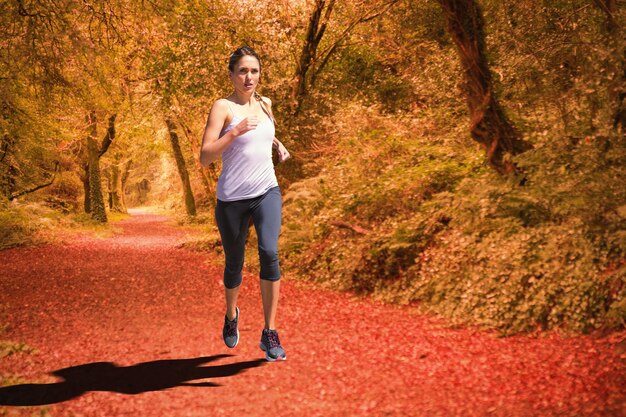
[(268, 255), (270, 268), (272, 278), (232, 272), (232, 280)]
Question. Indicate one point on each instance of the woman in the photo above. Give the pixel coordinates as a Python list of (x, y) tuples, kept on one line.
[(240, 128)]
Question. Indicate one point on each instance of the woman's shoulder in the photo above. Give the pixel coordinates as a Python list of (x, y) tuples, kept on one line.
[(221, 103), (221, 112), (221, 107)]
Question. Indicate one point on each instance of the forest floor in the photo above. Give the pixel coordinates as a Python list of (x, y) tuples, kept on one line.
[(130, 325)]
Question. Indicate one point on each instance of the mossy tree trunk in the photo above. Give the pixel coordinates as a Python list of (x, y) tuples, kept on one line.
[(7, 170), (92, 184), (84, 177), (96, 201), (489, 126), (190, 203)]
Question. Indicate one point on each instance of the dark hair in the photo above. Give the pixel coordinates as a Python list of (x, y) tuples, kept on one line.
[(238, 54)]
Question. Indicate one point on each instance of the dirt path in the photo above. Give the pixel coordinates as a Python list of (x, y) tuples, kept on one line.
[(131, 326)]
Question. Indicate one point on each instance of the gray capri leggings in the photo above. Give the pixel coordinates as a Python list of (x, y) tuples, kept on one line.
[(233, 219)]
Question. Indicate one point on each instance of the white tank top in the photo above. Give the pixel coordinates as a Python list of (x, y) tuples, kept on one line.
[(247, 167)]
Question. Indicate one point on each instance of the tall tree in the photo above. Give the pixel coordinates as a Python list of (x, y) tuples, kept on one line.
[(209, 175), (115, 174), (94, 152), (176, 66), (190, 203), (91, 154), (308, 55), (489, 125), (30, 68), (311, 62), (124, 182)]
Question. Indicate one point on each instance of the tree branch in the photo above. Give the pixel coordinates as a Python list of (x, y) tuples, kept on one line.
[(354, 228), (22, 10), (326, 54), (322, 29), (38, 187)]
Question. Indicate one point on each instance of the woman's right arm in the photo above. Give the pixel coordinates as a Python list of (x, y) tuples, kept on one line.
[(212, 144)]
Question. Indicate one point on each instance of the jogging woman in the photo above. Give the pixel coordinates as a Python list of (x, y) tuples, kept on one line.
[(240, 129)]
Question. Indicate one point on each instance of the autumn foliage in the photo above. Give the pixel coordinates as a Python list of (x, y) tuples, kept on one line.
[(468, 157)]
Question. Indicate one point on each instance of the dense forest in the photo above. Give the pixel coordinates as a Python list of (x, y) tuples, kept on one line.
[(467, 155)]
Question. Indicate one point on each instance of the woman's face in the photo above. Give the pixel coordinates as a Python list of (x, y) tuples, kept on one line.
[(246, 74)]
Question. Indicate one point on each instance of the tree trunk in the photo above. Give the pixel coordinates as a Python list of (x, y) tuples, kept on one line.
[(85, 179), (489, 125), (90, 155), (98, 211), (124, 181), (311, 62), (106, 174), (617, 88), (208, 181), (314, 34), (117, 205), (7, 181), (190, 203), (143, 188)]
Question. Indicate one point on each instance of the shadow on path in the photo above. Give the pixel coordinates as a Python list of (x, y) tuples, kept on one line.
[(135, 379)]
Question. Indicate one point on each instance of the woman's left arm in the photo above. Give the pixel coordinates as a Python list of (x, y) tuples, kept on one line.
[(283, 153)]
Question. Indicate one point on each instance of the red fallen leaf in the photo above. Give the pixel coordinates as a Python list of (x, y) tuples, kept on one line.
[(167, 304)]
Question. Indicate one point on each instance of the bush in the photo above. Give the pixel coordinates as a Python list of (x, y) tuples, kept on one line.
[(450, 234), (547, 254), (24, 224), (15, 228), (66, 193)]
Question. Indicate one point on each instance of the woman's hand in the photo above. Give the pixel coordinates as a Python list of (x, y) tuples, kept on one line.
[(283, 153), (246, 125)]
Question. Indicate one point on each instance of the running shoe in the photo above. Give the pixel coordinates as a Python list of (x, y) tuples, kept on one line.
[(230, 333), (270, 344)]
